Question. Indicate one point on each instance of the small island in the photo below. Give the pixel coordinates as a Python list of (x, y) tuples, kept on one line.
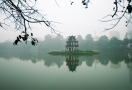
[(73, 53), (72, 49)]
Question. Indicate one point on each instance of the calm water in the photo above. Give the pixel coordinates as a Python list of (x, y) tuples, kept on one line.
[(39, 71)]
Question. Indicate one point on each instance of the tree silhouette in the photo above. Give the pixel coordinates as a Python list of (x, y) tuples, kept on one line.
[(23, 13), (89, 42), (102, 43), (125, 9)]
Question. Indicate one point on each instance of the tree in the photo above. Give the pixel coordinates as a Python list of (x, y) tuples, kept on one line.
[(103, 39), (115, 44), (114, 41), (79, 38), (89, 37), (89, 42), (80, 42), (102, 43), (125, 9), (23, 13), (59, 43), (48, 42)]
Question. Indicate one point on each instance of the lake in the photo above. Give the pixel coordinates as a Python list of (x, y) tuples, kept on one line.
[(40, 71)]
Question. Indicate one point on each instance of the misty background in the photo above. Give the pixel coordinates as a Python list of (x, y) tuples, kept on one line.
[(71, 20)]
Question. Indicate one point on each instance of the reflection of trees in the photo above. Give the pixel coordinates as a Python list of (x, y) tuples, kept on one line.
[(116, 57), (103, 58), (89, 61), (72, 62), (53, 60), (34, 57), (129, 65), (128, 59)]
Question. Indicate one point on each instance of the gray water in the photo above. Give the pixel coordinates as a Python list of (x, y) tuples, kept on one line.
[(39, 71)]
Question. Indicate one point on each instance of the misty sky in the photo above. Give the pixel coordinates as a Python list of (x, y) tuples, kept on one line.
[(73, 19)]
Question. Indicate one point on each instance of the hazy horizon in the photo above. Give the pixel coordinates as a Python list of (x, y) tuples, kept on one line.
[(73, 20)]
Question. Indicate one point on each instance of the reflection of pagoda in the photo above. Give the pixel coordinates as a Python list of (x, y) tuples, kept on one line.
[(72, 44), (72, 62)]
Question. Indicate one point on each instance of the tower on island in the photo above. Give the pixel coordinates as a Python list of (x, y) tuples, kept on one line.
[(72, 44)]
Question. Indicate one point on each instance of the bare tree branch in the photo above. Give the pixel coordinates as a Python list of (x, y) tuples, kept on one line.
[(23, 13), (128, 10)]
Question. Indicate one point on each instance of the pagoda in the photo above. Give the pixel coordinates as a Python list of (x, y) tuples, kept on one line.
[(72, 44)]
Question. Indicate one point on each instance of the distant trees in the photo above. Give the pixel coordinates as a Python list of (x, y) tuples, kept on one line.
[(115, 43), (89, 42), (102, 43), (80, 41), (112, 50), (51, 43)]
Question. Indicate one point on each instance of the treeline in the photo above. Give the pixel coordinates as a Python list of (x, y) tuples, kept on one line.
[(104, 44), (51, 43)]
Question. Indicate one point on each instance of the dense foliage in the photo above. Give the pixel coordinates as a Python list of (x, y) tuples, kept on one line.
[(58, 43), (113, 50)]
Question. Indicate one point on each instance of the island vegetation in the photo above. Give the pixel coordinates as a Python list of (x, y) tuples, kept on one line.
[(73, 53), (72, 48)]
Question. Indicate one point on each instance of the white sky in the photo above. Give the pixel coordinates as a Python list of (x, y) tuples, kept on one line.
[(75, 19)]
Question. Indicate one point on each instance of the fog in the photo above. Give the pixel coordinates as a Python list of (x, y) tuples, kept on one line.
[(71, 20)]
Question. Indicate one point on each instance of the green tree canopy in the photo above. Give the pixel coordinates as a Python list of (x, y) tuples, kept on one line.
[(89, 38), (102, 43)]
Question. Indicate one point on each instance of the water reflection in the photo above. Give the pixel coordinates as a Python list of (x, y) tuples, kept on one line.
[(39, 71), (72, 62), (115, 66), (129, 65), (103, 58)]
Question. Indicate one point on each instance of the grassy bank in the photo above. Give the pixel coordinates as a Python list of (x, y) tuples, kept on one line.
[(73, 53)]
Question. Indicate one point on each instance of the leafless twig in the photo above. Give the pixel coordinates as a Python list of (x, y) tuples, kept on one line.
[(23, 13), (128, 10)]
